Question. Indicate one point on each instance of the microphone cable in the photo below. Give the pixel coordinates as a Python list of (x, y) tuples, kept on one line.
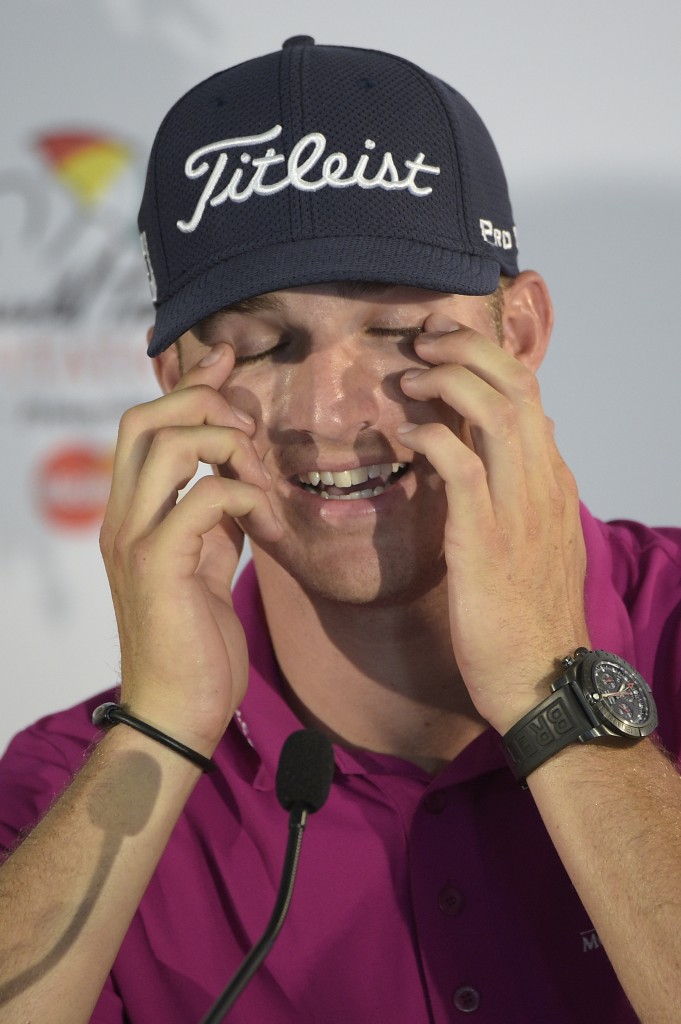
[(303, 782)]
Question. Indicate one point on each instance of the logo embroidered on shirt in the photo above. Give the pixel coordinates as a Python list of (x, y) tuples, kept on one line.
[(590, 940), (302, 171)]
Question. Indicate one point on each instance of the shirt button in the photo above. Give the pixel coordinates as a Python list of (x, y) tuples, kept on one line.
[(436, 801), (449, 901), (466, 999)]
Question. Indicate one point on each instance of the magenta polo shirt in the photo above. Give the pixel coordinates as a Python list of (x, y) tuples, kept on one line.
[(417, 899)]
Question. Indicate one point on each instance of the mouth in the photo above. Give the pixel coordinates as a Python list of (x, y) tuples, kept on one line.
[(352, 484)]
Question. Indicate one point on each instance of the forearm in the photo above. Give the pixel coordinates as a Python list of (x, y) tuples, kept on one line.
[(68, 893), (614, 816)]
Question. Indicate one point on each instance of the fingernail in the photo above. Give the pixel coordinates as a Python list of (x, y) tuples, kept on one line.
[(405, 428), (212, 356), (243, 416), (411, 374), (438, 323)]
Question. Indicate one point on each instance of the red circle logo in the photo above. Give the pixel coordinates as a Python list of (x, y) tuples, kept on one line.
[(73, 486)]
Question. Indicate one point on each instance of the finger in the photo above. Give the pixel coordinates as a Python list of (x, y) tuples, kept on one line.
[(198, 404), (509, 377), (196, 398), (464, 474), (213, 369), (490, 424), (178, 540), (174, 458)]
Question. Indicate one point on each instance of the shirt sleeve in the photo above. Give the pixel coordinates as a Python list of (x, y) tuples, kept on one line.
[(109, 1008), (648, 575), (39, 764)]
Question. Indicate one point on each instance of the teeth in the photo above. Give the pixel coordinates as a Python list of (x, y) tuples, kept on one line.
[(351, 477), (355, 494)]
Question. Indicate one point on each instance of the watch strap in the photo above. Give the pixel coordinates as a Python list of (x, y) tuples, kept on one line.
[(560, 719)]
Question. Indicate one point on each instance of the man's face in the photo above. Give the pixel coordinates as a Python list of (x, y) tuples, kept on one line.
[(319, 370)]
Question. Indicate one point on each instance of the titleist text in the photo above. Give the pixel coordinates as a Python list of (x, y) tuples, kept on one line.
[(303, 171)]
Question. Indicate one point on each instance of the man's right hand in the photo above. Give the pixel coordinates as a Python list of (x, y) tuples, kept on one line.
[(171, 563)]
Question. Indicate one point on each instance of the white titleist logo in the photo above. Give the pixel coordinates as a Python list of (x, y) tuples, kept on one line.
[(303, 171)]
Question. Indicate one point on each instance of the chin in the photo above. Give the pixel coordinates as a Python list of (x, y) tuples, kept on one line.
[(361, 576)]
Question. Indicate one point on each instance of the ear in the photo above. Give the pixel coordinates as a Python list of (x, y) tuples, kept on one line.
[(527, 318), (167, 365)]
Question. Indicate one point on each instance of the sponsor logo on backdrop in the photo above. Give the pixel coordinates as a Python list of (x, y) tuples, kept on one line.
[(71, 485), (74, 306), (68, 249)]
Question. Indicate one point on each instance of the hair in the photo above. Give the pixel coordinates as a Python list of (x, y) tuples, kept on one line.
[(495, 306)]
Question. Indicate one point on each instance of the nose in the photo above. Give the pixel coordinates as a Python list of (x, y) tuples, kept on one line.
[(332, 394)]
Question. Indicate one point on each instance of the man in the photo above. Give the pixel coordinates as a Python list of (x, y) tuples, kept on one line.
[(343, 331)]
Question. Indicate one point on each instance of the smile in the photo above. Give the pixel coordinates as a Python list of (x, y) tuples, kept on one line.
[(347, 484)]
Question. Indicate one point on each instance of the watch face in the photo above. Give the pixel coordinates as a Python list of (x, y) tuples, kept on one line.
[(620, 696)]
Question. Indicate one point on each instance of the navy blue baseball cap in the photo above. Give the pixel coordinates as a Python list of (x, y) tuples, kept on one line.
[(316, 164)]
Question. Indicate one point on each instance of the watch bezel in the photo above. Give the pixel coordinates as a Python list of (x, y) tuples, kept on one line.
[(588, 686)]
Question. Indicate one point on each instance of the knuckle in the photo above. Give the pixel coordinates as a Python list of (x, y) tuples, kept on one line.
[(472, 470), (240, 440), (106, 537), (558, 499), (506, 416), (164, 438), (118, 550), (204, 394), (134, 420), (525, 384), (209, 488), (436, 434)]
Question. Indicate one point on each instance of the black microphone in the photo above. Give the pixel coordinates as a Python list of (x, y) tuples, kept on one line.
[(304, 777)]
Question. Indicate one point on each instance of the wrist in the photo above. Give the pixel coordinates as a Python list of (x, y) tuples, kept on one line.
[(520, 700), (184, 720), (596, 696), (194, 709), (110, 714)]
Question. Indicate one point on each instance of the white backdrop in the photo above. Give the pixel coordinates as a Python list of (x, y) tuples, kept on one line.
[(583, 101)]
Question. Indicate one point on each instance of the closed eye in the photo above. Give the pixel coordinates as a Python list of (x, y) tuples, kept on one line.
[(259, 356), (381, 332), (395, 332)]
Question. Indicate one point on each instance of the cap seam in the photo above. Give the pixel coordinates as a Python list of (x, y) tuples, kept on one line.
[(433, 92)]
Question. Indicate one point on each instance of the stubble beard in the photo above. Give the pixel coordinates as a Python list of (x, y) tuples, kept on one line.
[(391, 567)]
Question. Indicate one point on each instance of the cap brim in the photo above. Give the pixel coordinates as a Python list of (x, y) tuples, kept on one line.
[(288, 265)]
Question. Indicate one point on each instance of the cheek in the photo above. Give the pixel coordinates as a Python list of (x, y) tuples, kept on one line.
[(246, 398), (258, 397)]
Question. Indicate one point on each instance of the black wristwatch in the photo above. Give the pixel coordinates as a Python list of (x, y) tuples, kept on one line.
[(599, 694)]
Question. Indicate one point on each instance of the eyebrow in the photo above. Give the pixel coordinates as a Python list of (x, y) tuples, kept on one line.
[(272, 303)]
